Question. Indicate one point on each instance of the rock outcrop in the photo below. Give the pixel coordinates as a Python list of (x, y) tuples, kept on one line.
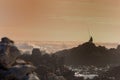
[(89, 53), (12, 68)]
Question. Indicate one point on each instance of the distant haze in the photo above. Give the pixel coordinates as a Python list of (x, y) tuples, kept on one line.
[(54, 46), (60, 20)]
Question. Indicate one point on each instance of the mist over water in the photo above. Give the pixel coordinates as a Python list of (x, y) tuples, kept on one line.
[(54, 46)]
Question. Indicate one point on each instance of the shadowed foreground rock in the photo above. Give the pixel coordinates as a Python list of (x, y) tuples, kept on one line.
[(12, 68)]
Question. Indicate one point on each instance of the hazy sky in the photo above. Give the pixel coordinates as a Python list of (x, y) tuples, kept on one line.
[(60, 20)]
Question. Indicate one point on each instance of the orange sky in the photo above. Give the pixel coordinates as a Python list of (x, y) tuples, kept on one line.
[(60, 20)]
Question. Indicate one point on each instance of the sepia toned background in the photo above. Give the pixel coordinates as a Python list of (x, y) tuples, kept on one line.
[(60, 20)]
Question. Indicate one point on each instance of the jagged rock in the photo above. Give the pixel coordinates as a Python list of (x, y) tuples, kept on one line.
[(12, 68), (87, 53), (36, 51), (8, 52), (20, 71)]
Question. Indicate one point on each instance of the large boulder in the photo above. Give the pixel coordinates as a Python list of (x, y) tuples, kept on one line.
[(12, 68), (8, 52), (20, 71)]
